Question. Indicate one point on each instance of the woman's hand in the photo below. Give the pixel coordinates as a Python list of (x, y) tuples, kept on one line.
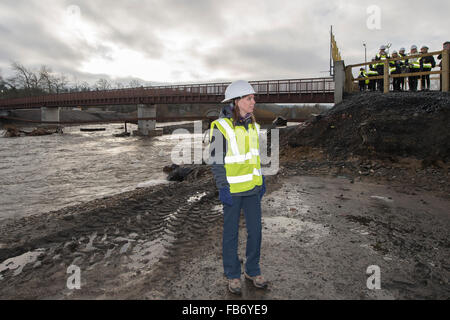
[(263, 188), (225, 196)]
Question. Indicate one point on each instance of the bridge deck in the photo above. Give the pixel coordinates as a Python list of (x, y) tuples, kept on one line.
[(312, 90)]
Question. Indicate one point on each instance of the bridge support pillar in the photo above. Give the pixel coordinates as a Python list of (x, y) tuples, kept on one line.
[(147, 127), (50, 114), (339, 81)]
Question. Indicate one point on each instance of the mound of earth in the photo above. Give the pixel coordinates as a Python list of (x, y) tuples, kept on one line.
[(377, 125)]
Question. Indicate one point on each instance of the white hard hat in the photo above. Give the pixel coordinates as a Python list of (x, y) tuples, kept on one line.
[(237, 89), (413, 47), (402, 49), (394, 52), (383, 47)]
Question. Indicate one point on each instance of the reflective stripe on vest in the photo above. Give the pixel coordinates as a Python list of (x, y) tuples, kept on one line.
[(382, 58), (242, 158), (426, 65), (415, 62), (231, 135), (242, 161), (392, 68), (244, 178)]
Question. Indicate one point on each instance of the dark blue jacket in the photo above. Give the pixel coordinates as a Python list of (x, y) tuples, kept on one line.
[(218, 169)]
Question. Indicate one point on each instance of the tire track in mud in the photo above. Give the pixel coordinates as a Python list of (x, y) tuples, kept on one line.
[(151, 232)]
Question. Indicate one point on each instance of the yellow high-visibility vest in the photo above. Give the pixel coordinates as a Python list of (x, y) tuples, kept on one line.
[(242, 160), (415, 62), (426, 65)]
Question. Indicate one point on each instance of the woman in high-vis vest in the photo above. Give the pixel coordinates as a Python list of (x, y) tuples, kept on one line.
[(236, 166)]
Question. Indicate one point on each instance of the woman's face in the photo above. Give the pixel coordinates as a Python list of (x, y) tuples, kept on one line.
[(246, 104)]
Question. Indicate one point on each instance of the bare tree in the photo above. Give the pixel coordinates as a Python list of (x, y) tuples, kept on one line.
[(60, 83), (5, 84), (103, 84), (118, 85), (23, 78), (85, 86), (3, 88), (46, 79), (135, 83)]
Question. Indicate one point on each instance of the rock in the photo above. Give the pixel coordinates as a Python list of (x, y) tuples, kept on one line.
[(71, 246), (125, 247), (280, 122), (179, 174), (168, 169), (68, 217)]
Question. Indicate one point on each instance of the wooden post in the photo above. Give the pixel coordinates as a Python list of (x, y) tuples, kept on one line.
[(445, 75), (386, 76), (348, 80), (339, 81)]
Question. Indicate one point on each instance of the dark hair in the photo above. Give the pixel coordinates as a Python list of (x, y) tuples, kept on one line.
[(446, 42), (237, 114)]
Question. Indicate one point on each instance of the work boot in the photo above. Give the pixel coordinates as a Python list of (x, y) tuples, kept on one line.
[(258, 281), (234, 285)]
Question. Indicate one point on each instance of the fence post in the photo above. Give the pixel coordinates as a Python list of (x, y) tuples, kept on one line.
[(348, 79), (445, 75), (339, 81), (386, 76)]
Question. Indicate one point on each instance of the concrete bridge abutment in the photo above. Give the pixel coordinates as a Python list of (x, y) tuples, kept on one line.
[(147, 127), (339, 81), (50, 114)]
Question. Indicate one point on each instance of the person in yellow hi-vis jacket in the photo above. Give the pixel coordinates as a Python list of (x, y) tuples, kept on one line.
[(236, 166)]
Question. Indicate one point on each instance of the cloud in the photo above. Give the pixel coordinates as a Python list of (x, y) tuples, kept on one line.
[(206, 40)]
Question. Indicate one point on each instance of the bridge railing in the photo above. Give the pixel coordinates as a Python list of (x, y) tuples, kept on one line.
[(286, 87), (444, 73), (261, 87)]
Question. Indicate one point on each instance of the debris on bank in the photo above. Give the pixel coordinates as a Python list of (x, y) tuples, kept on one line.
[(12, 131)]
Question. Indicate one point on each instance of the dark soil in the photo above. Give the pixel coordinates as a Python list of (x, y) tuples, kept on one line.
[(382, 126), (365, 183)]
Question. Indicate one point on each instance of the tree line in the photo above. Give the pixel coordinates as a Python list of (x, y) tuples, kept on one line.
[(26, 82)]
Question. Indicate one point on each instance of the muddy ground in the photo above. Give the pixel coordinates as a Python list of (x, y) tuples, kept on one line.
[(321, 231), (365, 184)]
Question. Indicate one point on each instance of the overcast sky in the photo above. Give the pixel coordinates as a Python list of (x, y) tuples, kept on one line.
[(207, 40)]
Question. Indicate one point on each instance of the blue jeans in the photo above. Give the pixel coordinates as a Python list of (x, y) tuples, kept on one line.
[(252, 213)]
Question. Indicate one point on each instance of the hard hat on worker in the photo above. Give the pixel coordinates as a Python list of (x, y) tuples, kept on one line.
[(383, 47), (413, 47), (238, 89), (424, 47)]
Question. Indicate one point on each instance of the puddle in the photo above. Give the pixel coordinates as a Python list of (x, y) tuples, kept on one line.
[(18, 263), (284, 227), (382, 198), (196, 197), (146, 254), (152, 183)]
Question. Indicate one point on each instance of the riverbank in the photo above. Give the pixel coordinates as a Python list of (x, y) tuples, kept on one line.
[(353, 191), (320, 234)]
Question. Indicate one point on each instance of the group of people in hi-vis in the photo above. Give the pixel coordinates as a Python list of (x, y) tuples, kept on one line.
[(410, 65)]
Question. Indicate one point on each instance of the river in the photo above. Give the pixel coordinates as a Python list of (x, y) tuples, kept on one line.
[(44, 173)]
